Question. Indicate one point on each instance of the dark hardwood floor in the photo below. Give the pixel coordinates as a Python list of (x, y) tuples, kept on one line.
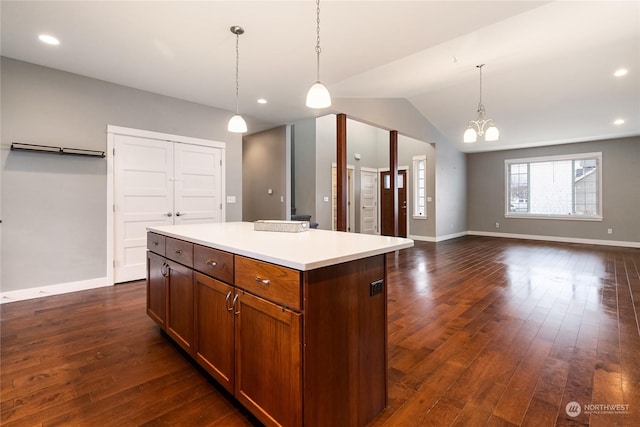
[(482, 331)]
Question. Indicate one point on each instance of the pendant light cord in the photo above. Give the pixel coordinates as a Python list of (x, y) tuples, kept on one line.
[(237, 62), (318, 50)]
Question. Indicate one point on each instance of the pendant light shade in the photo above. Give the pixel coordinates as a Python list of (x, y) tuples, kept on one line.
[(318, 95), (236, 123)]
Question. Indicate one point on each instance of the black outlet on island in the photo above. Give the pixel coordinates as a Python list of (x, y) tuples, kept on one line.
[(376, 287)]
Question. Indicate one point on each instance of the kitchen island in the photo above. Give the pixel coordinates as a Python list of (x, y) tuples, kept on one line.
[(294, 325)]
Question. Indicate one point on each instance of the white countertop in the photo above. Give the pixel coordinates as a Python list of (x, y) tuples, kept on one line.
[(303, 251)]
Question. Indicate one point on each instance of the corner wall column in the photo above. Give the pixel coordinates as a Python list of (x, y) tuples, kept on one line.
[(341, 172), (393, 168)]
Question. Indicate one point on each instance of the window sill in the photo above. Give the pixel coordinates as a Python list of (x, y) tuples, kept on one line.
[(557, 217)]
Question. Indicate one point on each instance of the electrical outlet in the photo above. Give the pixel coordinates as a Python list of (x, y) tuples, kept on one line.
[(610, 231), (497, 225)]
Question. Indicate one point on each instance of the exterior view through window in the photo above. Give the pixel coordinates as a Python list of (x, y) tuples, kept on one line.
[(558, 187)]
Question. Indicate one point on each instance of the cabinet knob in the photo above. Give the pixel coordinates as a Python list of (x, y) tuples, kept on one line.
[(180, 214), (169, 214), (179, 251), (211, 262)]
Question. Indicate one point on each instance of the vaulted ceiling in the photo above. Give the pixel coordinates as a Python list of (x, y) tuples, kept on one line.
[(548, 79)]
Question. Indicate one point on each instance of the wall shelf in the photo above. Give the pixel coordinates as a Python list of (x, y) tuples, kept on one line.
[(18, 146)]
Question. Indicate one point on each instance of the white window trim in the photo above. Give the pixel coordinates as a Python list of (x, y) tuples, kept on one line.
[(414, 181), (579, 156)]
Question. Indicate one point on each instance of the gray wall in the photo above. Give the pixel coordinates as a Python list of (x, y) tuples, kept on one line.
[(326, 129), (264, 168), (304, 167), (621, 197), (54, 207), (407, 149)]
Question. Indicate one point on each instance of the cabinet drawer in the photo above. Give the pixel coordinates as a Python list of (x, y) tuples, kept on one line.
[(278, 284), (156, 243), (179, 251), (214, 263)]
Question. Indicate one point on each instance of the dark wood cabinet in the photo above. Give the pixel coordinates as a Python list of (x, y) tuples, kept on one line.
[(294, 347), (269, 347), (156, 289), (180, 305), (215, 329)]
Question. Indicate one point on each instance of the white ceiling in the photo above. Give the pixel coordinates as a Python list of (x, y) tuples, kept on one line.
[(548, 76)]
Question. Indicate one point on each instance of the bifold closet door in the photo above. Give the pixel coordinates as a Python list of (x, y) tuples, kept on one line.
[(143, 196), (198, 184), (158, 182)]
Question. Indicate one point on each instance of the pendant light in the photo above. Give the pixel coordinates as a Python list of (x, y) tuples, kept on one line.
[(476, 127), (318, 96), (237, 123)]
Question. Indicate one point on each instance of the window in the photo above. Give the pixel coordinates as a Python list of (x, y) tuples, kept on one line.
[(565, 187), (419, 186)]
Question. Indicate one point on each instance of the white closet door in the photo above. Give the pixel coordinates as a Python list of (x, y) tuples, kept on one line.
[(198, 184), (368, 202), (143, 195)]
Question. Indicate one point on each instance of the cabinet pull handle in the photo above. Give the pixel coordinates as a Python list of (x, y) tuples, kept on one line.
[(211, 262), (164, 270), (226, 302), (180, 213), (179, 251), (155, 243), (263, 281), (234, 304)]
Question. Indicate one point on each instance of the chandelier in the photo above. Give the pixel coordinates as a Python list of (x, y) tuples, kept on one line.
[(477, 127)]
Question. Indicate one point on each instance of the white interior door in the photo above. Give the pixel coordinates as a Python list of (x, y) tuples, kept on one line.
[(368, 202), (143, 196), (198, 184)]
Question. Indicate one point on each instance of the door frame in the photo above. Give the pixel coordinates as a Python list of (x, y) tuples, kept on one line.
[(112, 131)]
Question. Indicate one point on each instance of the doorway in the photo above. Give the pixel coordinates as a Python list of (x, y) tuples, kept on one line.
[(386, 208), (368, 201)]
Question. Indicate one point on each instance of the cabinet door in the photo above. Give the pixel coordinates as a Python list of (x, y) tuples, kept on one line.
[(156, 289), (180, 305), (214, 342), (268, 361)]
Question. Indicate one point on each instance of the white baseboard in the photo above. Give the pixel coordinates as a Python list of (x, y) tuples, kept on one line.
[(439, 238), (45, 291), (620, 243)]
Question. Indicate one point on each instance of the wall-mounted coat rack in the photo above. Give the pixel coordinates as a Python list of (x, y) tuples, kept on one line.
[(18, 146)]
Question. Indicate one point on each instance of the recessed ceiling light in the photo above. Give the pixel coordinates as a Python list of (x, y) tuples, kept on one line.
[(262, 101), (618, 122), (45, 38), (621, 72)]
